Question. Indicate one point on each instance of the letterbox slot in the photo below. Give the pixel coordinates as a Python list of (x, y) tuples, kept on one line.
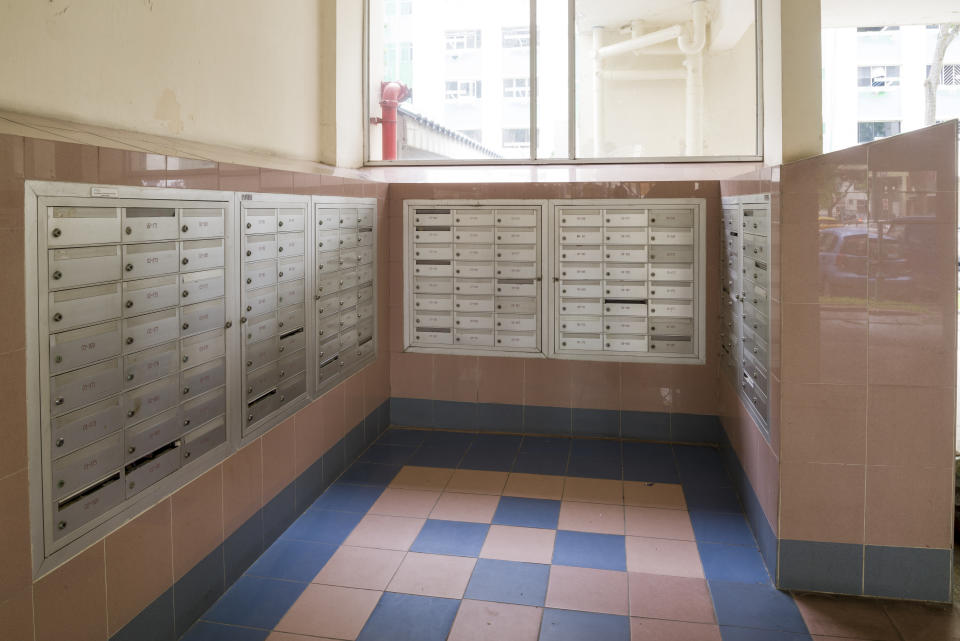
[(70, 500)]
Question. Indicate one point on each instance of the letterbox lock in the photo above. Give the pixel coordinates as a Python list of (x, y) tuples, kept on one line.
[(129, 340), (131, 413), (228, 325), (58, 359), (128, 230), (185, 293), (57, 275), (61, 525), (186, 390), (131, 449), (280, 223), (249, 280), (186, 325), (60, 442), (129, 377), (249, 253), (280, 274), (57, 317), (56, 232), (129, 304), (184, 229), (132, 485), (281, 348), (186, 422), (249, 225)]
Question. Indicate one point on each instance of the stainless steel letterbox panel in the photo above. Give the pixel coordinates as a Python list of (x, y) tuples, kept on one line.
[(666, 236), (259, 221), (619, 271), (260, 301), (581, 307), (259, 248), (290, 317), (756, 220), (671, 309), (620, 290), (364, 255), (150, 259), (671, 254), (433, 269), (86, 465), (258, 275), (203, 439), (473, 287), (517, 253), (262, 407), (365, 294), (624, 343), (671, 217), (141, 474), (143, 224), (202, 317), (474, 304), (204, 408), (581, 271), (291, 219), (755, 247), (349, 217), (364, 330), (581, 237), (626, 236), (82, 226), (327, 219), (581, 289), (516, 305), (348, 318), (755, 295), (671, 346), (261, 328), (290, 292), (85, 386), (201, 254), (757, 322), (82, 266), (149, 365), (625, 325), (516, 288), (468, 322), (75, 511), (76, 348), (149, 400), (202, 378), (516, 270), (327, 262), (432, 218), (85, 306), (581, 254), (575, 325), (625, 218), (328, 347), (349, 239), (291, 365), (617, 254), (433, 285), (756, 371), (580, 218), (292, 341), (347, 298), (328, 305), (262, 380), (329, 370), (516, 323), (201, 286), (468, 218), (472, 252), (624, 309), (516, 218), (150, 294), (581, 341), (434, 303), (473, 339), (202, 348), (754, 394), (755, 272), (327, 284), (141, 332), (72, 431), (328, 240), (471, 235), (437, 252), (151, 435), (429, 235), (671, 290), (201, 223), (328, 326), (671, 272), (671, 326), (364, 238), (756, 346), (516, 236), (366, 349), (290, 244), (259, 354), (436, 337), (434, 319)]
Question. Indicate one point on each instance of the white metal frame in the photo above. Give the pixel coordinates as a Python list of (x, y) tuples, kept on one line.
[(571, 106)]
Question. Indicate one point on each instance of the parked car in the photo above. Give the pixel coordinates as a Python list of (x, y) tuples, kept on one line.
[(851, 257)]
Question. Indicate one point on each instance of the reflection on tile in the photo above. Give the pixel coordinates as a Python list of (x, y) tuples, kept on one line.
[(588, 590), (508, 582)]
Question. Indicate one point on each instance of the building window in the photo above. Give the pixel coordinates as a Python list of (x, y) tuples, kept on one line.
[(516, 88), (463, 89), (515, 37), (473, 134), (874, 29), (516, 137), (949, 77), (878, 76), (877, 129), (457, 40)]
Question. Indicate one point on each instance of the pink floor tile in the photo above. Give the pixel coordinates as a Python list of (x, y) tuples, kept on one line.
[(473, 508), (485, 621), (477, 482), (433, 575), (385, 532), (591, 517), (846, 617), (659, 523), (328, 611), (586, 589), (663, 556), (593, 491), (412, 477), (534, 486), (661, 630), (923, 622), (655, 596), (508, 543), (401, 502), (366, 568), (664, 495)]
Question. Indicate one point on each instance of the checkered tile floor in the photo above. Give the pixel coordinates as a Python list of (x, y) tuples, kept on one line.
[(438, 536)]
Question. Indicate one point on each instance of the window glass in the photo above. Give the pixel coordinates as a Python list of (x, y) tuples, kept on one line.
[(870, 131)]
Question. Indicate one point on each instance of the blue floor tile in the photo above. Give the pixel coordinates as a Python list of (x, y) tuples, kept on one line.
[(348, 498), (448, 438), (751, 605), (397, 436), (730, 633), (651, 462), (293, 560), (451, 537), (439, 455), (386, 453), (206, 631), (405, 617), (541, 513), (701, 466), (595, 459), (508, 582), (255, 602), (712, 497), (543, 455), (695, 428), (568, 625), (323, 526), (732, 563), (493, 452), (588, 550), (722, 527), (361, 473)]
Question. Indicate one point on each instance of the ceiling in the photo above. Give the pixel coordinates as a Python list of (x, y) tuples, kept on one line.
[(875, 13)]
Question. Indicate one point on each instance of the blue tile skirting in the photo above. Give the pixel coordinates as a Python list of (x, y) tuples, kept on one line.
[(555, 421), (171, 614)]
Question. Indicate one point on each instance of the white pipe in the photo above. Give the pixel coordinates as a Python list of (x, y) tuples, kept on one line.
[(597, 91), (669, 49), (644, 74), (695, 46), (652, 38), (694, 106)]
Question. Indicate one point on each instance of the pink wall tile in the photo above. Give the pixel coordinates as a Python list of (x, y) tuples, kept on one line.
[(15, 566), (547, 382), (70, 602), (276, 181), (197, 521), (696, 390), (16, 616), (926, 158), (279, 452), (307, 184), (767, 484), (411, 375), (376, 384), (595, 385), (239, 177), (823, 344), (11, 284), (647, 388), (455, 378), (911, 426), (11, 182), (910, 506), (353, 401), (139, 564), (500, 380), (309, 437), (242, 486), (912, 349), (48, 160), (822, 502), (824, 423), (334, 416), (13, 454), (119, 167), (825, 174), (190, 173)]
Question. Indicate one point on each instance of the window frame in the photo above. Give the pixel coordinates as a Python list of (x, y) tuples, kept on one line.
[(571, 158)]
